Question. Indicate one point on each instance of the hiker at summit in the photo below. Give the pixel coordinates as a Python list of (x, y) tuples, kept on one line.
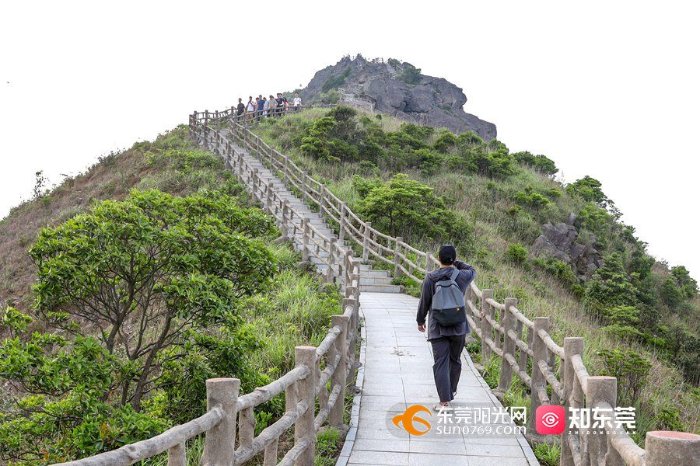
[(297, 102), (250, 108), (442, 302), (240, 108)]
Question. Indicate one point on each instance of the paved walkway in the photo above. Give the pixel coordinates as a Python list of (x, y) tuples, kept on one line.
[(396, 374)]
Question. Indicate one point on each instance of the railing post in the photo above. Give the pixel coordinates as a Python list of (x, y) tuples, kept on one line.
[(397, 245), (428, 263), (177, 455), (572, 346), (365, 242), (304, 427), (600, 390), (331, 255), (539, 353), (305, 239), (341, 233), (268, 204), (335, 418), (219, 443), (508, 345), (486, 331), (304, 188), (206, 118), (288, 230), (665, 447)]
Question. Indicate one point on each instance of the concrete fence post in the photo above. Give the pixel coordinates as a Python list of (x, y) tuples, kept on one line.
[(486, 329), (304, 427), (331, 260), (365, 242), (341, 372), (428, 263), (508, 345), (600, 390), (666, 447), (206, 118), (539, 352), (219, 443), (304, 188), (269, 188), (305, 239), (572, 346), (397, 246), (341, 233)]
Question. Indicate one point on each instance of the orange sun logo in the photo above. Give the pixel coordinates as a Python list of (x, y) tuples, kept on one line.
[(409, 418)]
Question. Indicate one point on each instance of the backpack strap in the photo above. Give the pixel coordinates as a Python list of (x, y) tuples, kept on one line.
[(454, 275)]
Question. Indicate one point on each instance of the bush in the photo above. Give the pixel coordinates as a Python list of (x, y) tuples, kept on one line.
[(409, 74), (445, 141), (540, 163), (631, 370), (405, 207), (517, 253)]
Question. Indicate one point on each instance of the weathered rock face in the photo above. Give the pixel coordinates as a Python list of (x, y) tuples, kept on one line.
[(560, 242), (382, 86)]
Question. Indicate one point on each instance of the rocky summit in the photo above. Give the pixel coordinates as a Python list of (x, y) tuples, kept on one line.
[(399, 89)]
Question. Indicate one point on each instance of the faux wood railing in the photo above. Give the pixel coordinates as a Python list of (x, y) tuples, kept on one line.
[(554, 374)]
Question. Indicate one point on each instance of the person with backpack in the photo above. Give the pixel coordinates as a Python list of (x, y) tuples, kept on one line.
[(240, 108), (442, 302)]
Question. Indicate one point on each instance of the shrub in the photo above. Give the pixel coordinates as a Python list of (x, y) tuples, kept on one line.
[(540, 163), (517, 253), (405, 207), (445, 141), (335, 81), (410, 74), (610, 286), (631, 370)]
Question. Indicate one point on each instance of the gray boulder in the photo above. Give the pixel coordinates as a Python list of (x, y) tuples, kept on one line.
[(560, 242), (381, 86)]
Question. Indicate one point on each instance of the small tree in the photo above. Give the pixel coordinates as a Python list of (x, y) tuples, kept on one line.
[(144, 270), (408, 208)]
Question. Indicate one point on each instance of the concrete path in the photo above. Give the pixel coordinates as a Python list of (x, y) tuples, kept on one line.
[(396, 374)]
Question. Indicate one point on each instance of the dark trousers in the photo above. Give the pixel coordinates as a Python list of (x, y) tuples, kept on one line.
[(447, 352)]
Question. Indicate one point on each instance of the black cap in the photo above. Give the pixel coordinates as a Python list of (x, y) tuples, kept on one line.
[(447, 254)]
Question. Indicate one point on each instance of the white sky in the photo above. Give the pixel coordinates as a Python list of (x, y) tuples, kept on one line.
[(605, 88)]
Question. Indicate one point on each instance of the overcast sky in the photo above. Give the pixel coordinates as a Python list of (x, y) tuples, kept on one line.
[(609, 89)]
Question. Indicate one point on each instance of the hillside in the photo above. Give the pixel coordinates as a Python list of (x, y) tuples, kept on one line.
[(396, 88), (560, 249), (155, 273)]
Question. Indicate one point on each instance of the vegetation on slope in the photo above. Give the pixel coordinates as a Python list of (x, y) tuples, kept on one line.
[(640, 318), (138, 301)]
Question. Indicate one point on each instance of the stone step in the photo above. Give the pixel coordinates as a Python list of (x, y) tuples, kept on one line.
[(375, 281), (381, 288)]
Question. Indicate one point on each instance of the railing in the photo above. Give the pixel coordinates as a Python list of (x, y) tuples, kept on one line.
[(554, 374)]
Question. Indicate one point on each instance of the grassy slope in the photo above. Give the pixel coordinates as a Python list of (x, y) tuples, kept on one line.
[(111, 178), (297, 311), (485, 203)]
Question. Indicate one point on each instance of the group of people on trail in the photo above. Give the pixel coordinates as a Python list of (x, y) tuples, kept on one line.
[(263, 107)]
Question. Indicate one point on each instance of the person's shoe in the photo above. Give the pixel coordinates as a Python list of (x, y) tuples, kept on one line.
[(441, 407)]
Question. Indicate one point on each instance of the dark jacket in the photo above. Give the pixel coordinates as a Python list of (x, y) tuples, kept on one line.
[(465, 277)]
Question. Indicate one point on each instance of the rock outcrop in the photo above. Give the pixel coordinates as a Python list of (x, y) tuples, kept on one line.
[(560, 242), (397, 89)]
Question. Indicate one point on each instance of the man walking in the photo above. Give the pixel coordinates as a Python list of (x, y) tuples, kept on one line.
[(447, 338), (240, 108)]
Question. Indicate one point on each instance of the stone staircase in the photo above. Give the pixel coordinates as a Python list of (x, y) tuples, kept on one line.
[(371, 280)]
